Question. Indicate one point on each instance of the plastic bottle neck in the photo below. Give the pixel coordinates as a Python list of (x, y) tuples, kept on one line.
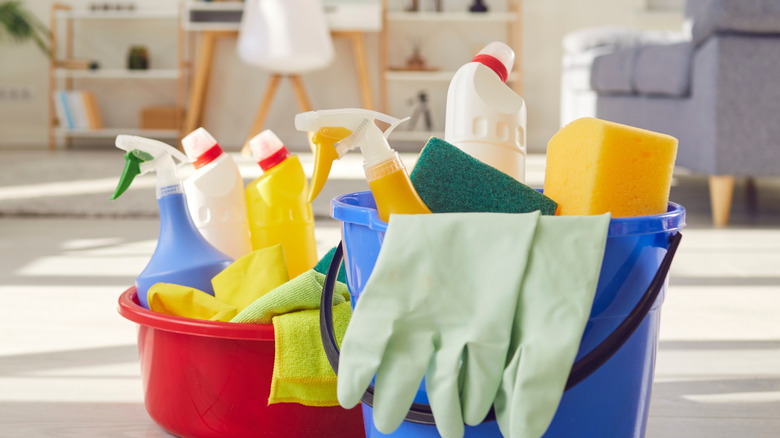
[(494, 64), (175, 221), (207, 157), (274, 159)]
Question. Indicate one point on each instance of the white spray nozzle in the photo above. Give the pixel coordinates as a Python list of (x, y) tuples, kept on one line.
[(356, 120), (155, 148), (349, 118), (162, 160)]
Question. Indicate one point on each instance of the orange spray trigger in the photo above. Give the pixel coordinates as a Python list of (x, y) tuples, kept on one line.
[(325, 153)]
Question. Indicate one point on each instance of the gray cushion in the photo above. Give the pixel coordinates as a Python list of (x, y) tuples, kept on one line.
[(612, 37), (663, 69), (613, 72), (616, 37), (752, 16)]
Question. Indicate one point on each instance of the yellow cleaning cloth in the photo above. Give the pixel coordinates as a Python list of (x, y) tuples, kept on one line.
[(302, 373), (176, 300), (251, 277)]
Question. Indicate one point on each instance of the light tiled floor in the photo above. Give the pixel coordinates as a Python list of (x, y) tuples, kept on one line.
[(69, 367)]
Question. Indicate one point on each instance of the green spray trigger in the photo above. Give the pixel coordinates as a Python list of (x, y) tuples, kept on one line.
[(133, 160)]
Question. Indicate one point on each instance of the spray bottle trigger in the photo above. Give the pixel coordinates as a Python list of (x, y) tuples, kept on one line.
[(133, 160), (350, 142), (392, 126)]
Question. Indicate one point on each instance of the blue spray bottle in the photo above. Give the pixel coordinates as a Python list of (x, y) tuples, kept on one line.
[(182, 255)]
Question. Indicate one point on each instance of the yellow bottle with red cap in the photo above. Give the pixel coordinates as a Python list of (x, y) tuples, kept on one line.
[(279, 212)]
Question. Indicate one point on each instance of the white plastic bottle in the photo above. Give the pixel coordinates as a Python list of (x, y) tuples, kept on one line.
[(485, 118), (215, 195)]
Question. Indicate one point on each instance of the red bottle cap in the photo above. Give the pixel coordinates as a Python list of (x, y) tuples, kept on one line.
[(268, 149), (499, 57), (202, 146)]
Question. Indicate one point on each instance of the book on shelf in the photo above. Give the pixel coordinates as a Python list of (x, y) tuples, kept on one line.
[(78, 110), (94, 119)]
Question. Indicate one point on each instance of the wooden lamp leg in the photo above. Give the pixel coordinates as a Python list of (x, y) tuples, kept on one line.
[(721, 193), (262, 112)]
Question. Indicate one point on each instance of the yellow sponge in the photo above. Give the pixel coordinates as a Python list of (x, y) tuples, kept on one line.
[(595, 166)]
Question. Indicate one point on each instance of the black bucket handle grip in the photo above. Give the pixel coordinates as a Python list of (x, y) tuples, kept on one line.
[(421, 413)]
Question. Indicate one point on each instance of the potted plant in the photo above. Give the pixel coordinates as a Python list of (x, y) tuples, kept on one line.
[(21, 25)]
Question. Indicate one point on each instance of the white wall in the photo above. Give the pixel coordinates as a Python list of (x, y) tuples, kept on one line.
[(237, 89)]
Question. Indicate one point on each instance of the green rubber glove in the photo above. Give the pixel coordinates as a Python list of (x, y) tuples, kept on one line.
[(440, 302), (552, 309)]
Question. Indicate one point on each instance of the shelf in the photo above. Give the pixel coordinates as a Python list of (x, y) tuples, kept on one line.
[(485, 17), (419, 76), (118, 73), (216, 6), (432, 76), (113, 132), (342, 15), (414, 135), (82, 107), (85, 14)]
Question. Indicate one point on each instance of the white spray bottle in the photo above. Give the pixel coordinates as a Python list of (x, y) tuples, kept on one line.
[(215, 195), (182, 255), (485, 118), (341, 130)]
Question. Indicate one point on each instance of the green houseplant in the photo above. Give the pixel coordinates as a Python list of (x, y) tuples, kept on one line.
[(21, 25)]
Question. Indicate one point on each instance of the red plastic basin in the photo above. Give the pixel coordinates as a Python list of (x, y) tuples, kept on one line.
[(206, 379)]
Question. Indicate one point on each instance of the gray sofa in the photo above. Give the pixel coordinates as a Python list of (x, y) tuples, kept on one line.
[(715, 86)]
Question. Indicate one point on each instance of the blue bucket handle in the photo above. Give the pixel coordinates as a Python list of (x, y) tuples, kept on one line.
[(420, 413)]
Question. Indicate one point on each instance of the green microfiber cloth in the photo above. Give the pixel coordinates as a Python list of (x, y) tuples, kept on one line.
[(324, 263), (449, 180), (301, 293), (302, 373)]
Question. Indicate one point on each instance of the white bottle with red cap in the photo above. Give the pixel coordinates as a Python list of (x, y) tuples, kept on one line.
[(486, 118), (279, 212), (215, 195)]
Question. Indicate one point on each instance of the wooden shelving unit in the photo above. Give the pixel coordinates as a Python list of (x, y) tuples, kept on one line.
[(511, 18), (64, 78)]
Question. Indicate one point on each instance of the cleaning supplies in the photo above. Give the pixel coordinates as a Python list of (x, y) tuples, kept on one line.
[(278, 210), (188, 302), (449, 180), (302, 373), (215, 195), (595, 166), (439, 302), (182, 255), (251, 277), (485, 118), (338, 131), (475, 325), (301, 293), (330, 127), (552, 311)]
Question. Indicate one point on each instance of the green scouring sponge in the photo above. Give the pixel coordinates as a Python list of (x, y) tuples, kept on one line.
[(449, 180)]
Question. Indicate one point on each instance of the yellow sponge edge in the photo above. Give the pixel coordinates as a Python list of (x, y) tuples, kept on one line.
[(595, 166)]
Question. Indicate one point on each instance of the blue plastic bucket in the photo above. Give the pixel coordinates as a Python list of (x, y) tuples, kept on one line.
[(611, 402)]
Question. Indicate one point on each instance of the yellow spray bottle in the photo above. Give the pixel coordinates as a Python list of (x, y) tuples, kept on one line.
[(341, 130)]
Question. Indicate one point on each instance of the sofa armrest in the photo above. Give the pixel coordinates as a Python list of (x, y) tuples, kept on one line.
[(741, 16)]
